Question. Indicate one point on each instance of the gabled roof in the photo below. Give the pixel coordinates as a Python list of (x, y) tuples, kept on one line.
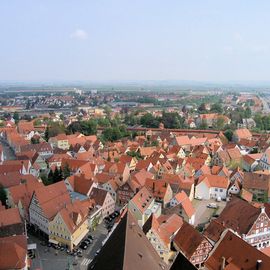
[(25, 127), (15, 248), (127, 248), (157, 187), (182, 263), (141, 176), (214, 230), (187, 240), (12, 179), (75, 213), (98, 195), (40, 147), (73, 164), (9, 217), (214, 181), (81, 184), (182, 140), (243, 133), (234, 153), (238, 215), (166, 226), (256, 181), (184, 200), (143, 199), (52, 198), (237, 255)]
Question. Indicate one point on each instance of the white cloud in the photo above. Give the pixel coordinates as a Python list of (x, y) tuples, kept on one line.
[(79, 34), (228, 49), (238, 37)]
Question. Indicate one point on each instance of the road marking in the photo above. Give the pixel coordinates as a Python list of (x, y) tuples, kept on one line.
[(86, 261)]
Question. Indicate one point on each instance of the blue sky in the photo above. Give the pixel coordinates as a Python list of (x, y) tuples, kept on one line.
[(134, 40)]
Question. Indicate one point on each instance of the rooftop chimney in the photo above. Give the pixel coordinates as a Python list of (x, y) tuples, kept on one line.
[(258, 264), (223, 263)]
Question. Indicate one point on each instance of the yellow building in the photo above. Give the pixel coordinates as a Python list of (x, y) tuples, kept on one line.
[(70, 225), (60, 141)]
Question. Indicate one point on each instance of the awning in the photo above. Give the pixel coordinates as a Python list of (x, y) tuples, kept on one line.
[(80, 238), (31, 246), (53, 241)]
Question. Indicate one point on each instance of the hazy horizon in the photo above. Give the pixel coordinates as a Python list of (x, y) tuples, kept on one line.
[(102, 41)]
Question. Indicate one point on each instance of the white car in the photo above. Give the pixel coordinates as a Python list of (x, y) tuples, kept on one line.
[(198, 198), (212, 205)]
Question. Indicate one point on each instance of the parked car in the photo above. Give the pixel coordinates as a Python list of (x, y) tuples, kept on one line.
[(83, 246), (87, 241), (212, 205), (198, 198), (90, 237)]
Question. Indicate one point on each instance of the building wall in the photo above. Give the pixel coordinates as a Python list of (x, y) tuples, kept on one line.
[(63, 144), (259, 234), (163, 250), (60, 232), (109, 188), (37, 217), (108, 205), (201, 253), (216, 192), (203, 191)]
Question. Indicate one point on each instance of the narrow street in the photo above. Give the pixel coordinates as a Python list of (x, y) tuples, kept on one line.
[(8, 151), (49, 258), (265, 100)]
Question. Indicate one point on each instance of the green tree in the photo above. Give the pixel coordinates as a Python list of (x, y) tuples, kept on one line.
[(228, 134), (3, 195), (16, 117), (259, 122), (154, 143), (56, 175), (34, 140), (103, 122), (172, 120), (66, 171), (148, 120), (217, 108), (62, 117), (46, 134), (114, 133), (219, 123), (202, 108), (37, 122), (247, 112), (135, 154), (50, 177), (86, 127), (60, 178), (54, 129), (203, 125)]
